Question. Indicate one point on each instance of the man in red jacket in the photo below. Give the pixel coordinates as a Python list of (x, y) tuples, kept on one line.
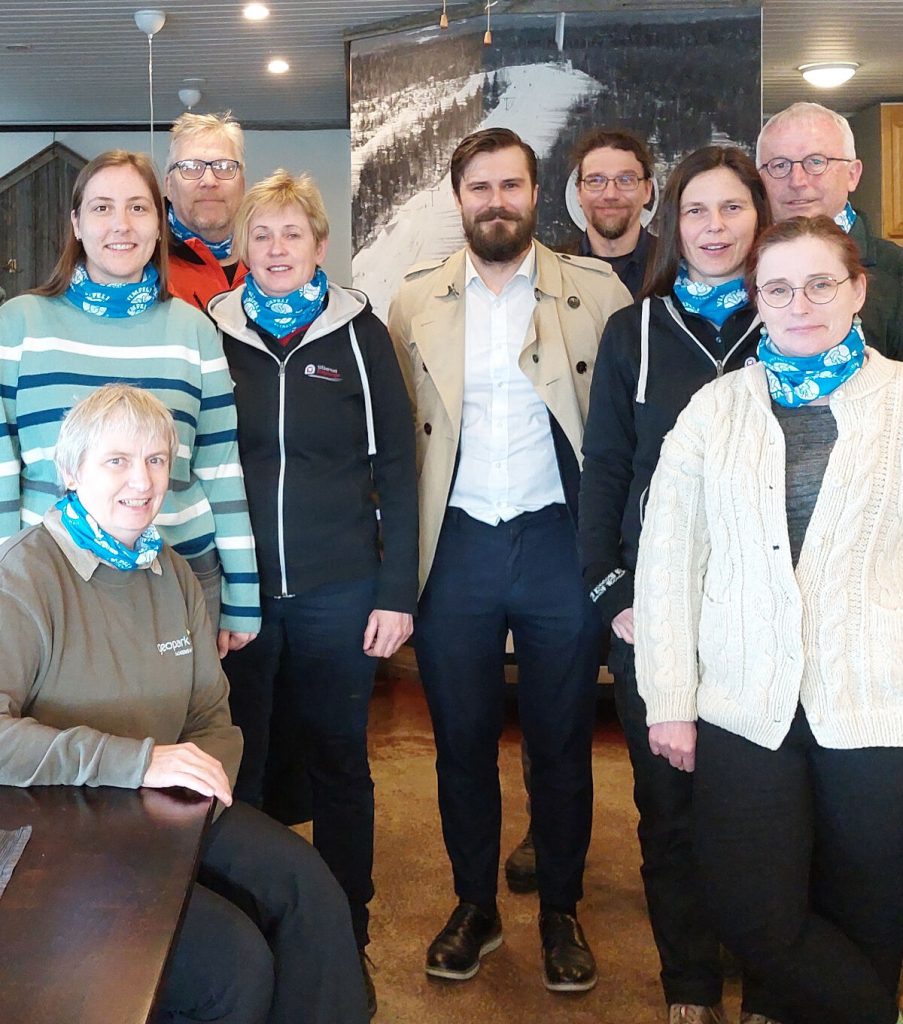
[(204, 183)]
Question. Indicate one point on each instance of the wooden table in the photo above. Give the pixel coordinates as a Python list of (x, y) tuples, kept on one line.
[(90, 913)]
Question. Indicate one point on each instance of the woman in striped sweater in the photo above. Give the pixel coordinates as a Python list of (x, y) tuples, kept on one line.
[(104, 315)]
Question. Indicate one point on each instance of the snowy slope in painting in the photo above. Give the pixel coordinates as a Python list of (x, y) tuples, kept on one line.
[(428, 225)]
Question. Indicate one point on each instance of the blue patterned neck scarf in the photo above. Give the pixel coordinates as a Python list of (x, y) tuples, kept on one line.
[(286, 314), (846, 219), (114, 300), (221, 250), (715, 302), (89, 535), (797, 380)]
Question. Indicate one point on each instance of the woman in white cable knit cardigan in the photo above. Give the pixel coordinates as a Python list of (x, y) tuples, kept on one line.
[(769, 608)]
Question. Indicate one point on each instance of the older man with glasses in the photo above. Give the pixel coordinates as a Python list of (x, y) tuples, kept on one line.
[(806, 155), (204, 183)]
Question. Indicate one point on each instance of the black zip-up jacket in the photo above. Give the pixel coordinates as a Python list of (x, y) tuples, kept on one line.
[(303, 438), (629, 415)]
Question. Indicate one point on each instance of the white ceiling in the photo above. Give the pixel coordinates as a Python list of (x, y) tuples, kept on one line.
[(85, 62)]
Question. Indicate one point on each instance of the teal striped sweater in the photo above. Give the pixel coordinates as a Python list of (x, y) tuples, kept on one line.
[(53, 354)]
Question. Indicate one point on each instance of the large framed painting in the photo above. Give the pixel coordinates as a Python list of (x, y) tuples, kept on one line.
[(682, 78)]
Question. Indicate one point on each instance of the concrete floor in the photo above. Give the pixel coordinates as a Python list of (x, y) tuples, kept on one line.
[(414, 894)]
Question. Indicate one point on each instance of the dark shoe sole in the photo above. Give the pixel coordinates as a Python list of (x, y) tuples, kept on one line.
[(521, 884), (449, 975)]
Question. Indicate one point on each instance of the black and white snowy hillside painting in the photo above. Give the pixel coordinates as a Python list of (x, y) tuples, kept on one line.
[(683, 79)]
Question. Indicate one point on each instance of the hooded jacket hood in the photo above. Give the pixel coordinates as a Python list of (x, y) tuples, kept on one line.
[(344, 305)]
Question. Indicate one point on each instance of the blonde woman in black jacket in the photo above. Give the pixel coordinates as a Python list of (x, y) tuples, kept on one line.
[(323, 426)]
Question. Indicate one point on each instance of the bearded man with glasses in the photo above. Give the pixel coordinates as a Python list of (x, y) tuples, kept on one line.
[(806, 156), (614, 183), (204, 184)]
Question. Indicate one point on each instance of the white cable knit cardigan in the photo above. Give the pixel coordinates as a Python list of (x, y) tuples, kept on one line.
[(726, 630)]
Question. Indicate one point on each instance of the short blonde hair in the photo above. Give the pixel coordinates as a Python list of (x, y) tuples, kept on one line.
[(278, 190), (140, 413), (808, 112), (193, 126)]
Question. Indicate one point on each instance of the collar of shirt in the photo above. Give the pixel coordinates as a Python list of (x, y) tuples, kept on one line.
[(526, 269), (84, 562)]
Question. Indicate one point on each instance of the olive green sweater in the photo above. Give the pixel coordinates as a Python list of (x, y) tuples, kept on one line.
[(99, 664)]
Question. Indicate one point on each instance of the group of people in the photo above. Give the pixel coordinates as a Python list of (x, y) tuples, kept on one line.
[(289, 484)]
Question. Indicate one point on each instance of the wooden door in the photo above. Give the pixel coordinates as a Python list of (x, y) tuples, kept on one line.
[(34, 216), (892, 170)]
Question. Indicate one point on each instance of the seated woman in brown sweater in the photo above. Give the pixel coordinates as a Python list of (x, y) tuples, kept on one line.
[(111, 678)]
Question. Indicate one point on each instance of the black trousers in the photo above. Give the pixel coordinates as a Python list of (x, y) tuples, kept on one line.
[(267, 935), (686, 942), (301, 692), (522, 575), (800, 853)]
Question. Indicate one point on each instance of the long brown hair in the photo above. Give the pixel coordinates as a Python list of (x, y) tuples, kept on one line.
[(662, 271), (74, 252)]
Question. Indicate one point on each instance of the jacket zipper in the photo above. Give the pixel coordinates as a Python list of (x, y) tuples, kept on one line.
[(280, 498), (719, 363)]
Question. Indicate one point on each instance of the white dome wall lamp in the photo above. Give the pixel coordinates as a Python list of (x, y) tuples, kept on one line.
[(150, 21), (828, 74)]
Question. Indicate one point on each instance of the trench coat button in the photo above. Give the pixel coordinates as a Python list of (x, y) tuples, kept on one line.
[(537, 294), (535, 358), (427, 428), (581, 367), (573, 301)]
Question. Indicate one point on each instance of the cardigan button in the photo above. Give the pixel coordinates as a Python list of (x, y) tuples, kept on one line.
[(573, 301), (535, 358), (427, 428), (581, 367)]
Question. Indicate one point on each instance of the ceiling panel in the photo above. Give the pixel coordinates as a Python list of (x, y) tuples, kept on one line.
[(67, 63)]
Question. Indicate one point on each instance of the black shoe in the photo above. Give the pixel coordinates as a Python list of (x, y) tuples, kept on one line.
[(456, 951), (520, 867), (369, 987), (568, 964)]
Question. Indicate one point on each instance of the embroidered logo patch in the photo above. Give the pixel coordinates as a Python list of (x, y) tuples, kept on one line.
[(321, 372), (178, 647)]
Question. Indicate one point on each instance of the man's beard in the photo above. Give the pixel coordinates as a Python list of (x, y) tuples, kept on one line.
[(499, 242), (612, 229)]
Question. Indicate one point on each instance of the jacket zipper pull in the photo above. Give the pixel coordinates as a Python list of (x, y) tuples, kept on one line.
[(719, 368)]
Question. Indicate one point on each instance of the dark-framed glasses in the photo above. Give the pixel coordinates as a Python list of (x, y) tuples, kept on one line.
[(819, 290), (814, 163), (191, 170), (628, 182)]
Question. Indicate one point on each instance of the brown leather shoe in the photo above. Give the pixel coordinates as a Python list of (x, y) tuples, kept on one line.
[(520, 867), (469, 935), (689, 1013), (568, 964)]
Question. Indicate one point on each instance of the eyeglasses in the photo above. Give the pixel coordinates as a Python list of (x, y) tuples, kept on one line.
[(191, 170), (819, 290), (814, 163), (629, 182)]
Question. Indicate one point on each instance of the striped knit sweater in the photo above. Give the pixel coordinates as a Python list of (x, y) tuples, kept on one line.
[(727, 631), (53, 354)]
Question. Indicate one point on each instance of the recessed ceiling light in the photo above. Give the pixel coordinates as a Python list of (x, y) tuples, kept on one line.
[(828, 74), (256, 12), (277, 66)]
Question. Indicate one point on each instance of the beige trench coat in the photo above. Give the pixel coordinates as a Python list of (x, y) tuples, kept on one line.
[(575, 297)]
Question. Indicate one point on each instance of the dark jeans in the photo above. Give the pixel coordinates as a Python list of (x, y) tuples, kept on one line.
[(800, 853), (523, 575), (304, 685), (266, 937)]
